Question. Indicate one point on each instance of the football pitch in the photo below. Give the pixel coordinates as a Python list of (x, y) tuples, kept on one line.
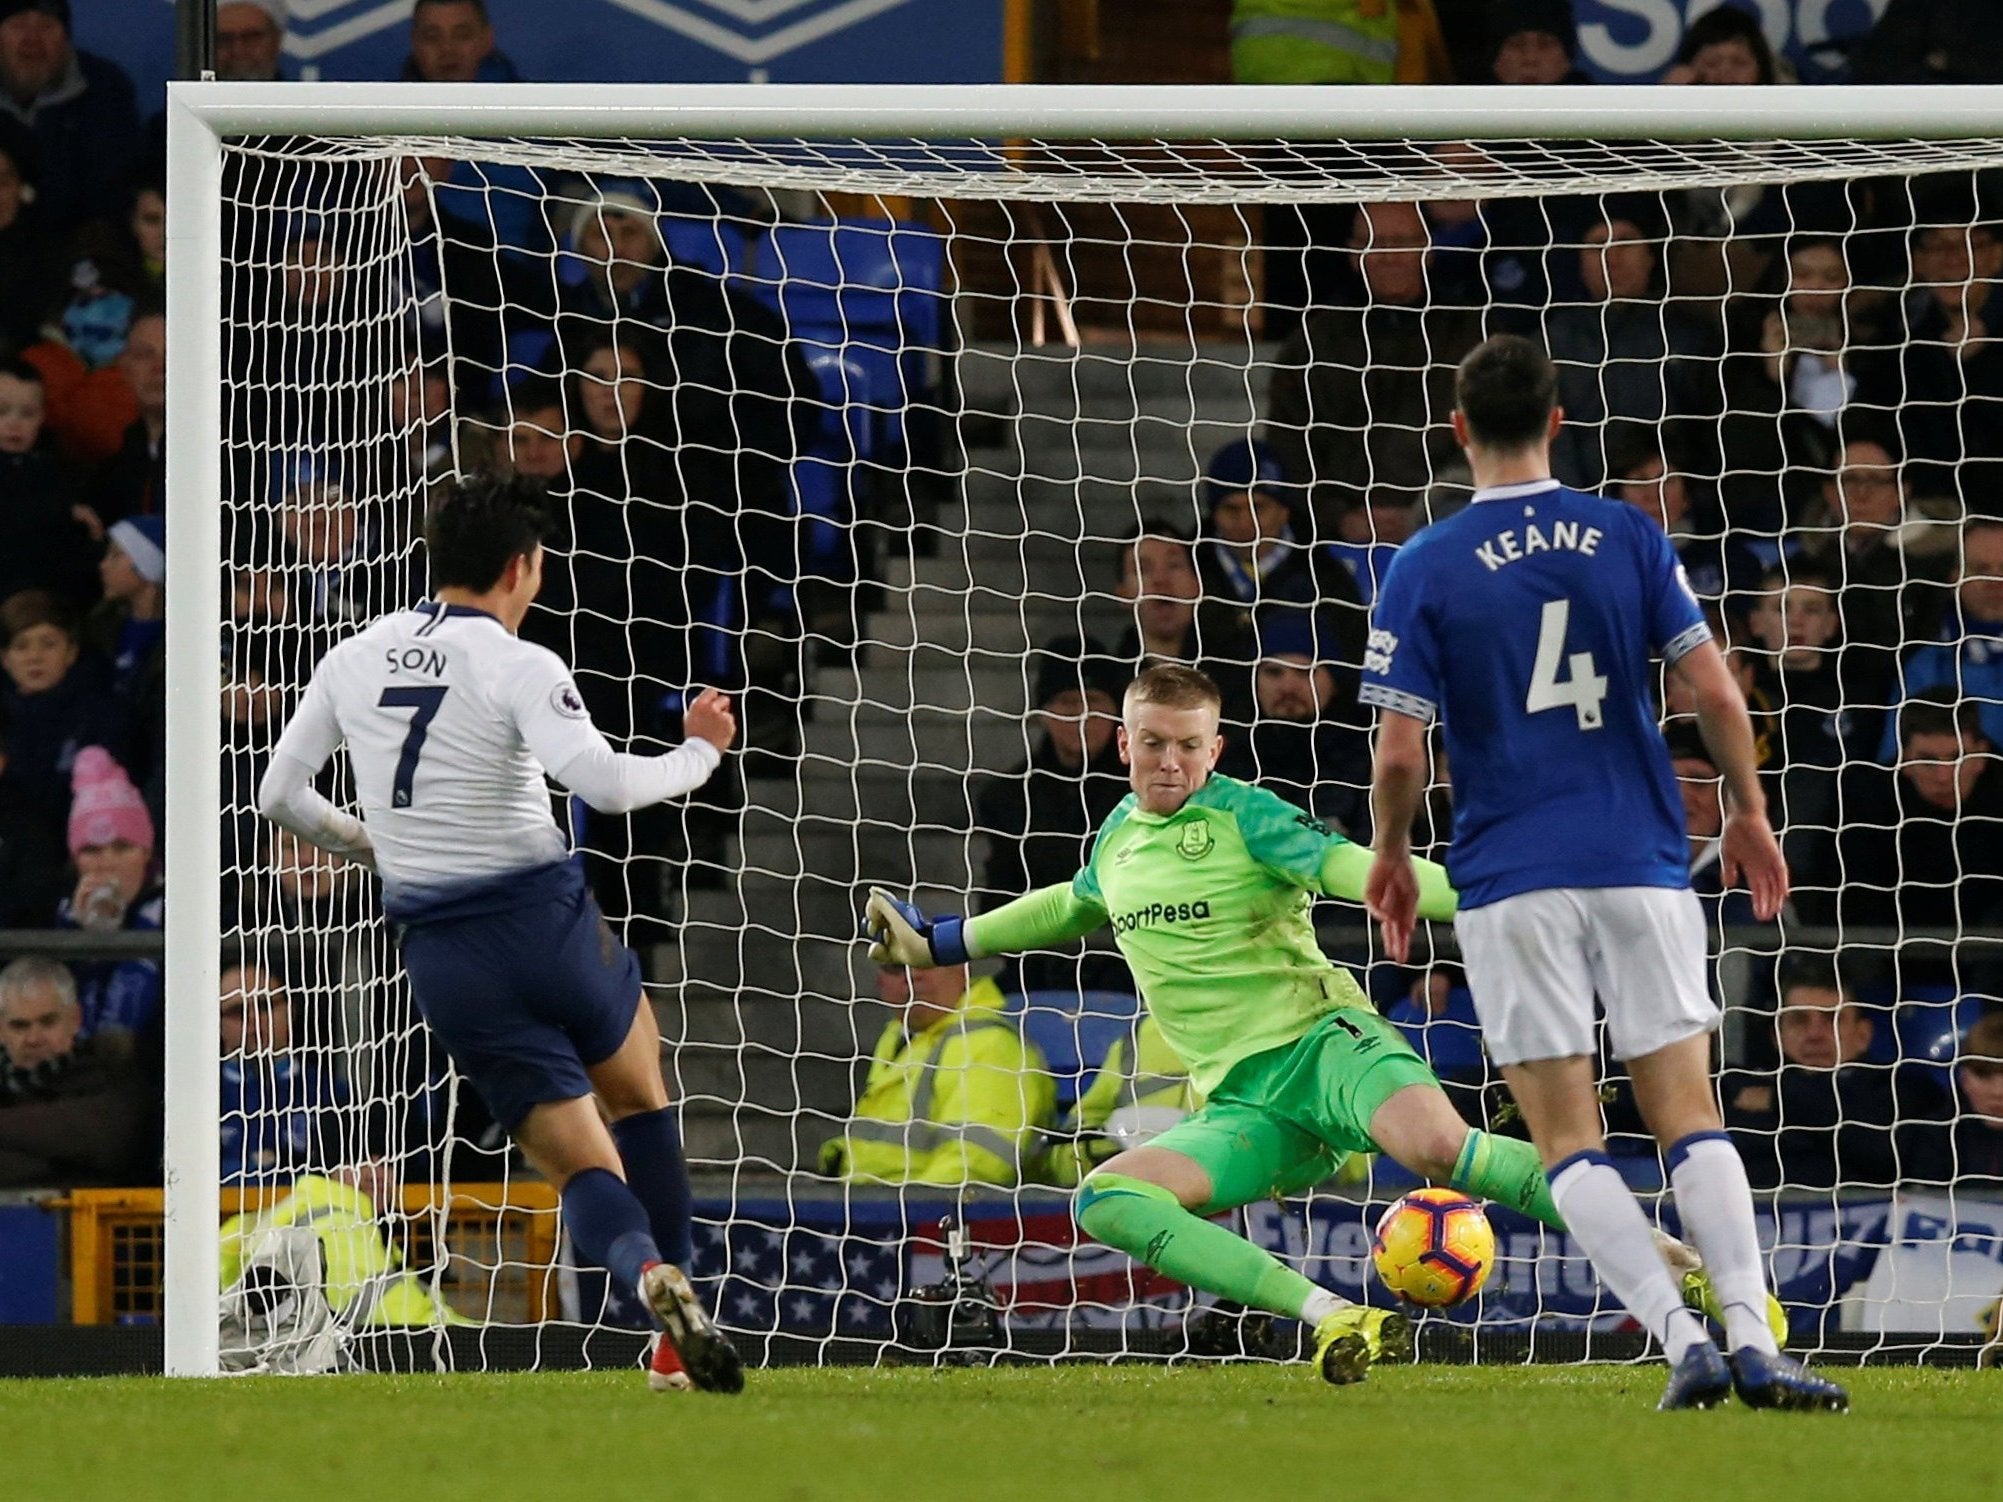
[(1415, 1434)]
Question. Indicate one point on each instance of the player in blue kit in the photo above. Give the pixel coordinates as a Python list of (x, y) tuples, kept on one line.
[(451, 722), (1530, 625)]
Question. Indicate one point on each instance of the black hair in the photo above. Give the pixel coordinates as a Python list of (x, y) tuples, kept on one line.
[(478, 5), (536, 393), (1814, 972), (480, 524), (22, 370), (1728, 24), (1939, 711), (1506, 389)]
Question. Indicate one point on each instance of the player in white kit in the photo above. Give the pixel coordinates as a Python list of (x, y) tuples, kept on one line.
[(1531, 625), (452, 723)]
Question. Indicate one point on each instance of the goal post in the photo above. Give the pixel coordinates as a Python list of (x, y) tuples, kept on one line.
[(985, 145)]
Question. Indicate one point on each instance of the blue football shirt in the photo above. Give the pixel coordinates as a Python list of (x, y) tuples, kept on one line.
[(1529, 624)]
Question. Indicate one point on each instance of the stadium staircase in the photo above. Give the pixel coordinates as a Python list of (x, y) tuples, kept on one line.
[(758, 994)]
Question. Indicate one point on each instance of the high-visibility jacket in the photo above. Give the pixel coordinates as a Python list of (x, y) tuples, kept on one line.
[(1337, 41), (962, 1102), (366, 1282), (1140, 1091)]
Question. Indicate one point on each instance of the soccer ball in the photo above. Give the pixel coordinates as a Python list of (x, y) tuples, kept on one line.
[(1433, 1248)]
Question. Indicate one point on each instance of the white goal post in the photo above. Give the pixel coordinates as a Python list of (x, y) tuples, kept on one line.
[(1678, 138)]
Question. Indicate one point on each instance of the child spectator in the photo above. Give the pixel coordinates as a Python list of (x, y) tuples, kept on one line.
[(54, 699), (111, 840), (43, 543), (1969, 651)]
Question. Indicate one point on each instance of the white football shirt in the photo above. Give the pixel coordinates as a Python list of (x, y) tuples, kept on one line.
[(450, 722)]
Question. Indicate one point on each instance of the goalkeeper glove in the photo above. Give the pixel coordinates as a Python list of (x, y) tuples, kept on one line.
[(901, 935)]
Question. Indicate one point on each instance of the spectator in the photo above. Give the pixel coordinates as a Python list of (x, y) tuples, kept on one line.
[(955, 1094), (54, 700), (1437, 1017), (1827, 1117), (1966, 1150), (332, 551), (1930, 41), (1361, 395), (1968, 654), (1726, 46), (452, 41), (79, 107), (111, 841), (43, 541), (1889, 591), (30, 262), (74, 1109), (1790, 375), (129, 630), (1920, 844), (1629, 364), (1139, 1091), (1536, 42), (1172, 622), (736, 405), (1817, 717), (1702, 788), (1722, 570), (1368, 536), (134, 481), (1041, 817), (1307, 741), (34, 869), (1254, 557), (250, 39), (278, 1103), (452, 251), (1943, 375)]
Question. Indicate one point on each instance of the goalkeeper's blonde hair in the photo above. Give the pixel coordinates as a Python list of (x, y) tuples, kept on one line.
[(1174, 686)]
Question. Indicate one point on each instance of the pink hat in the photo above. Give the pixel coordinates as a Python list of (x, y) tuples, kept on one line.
[(107, 806)]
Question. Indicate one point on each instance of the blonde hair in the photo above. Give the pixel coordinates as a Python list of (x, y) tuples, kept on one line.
[(1174, 686)]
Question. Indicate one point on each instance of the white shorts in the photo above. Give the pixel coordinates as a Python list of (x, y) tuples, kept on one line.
[(1536, 960)]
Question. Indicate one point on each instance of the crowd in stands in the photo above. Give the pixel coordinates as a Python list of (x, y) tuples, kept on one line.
[(1803, 385)]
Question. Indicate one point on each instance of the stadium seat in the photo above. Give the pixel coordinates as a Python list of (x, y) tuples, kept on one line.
[(824, 476), (1450, 1042), (1930, 1030), (707, 244), (1075, 1030), (867, 291)]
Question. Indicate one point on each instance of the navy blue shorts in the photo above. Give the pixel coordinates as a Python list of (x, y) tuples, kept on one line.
[(524, 984)]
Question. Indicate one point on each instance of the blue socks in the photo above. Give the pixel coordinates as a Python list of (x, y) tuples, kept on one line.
[(650, 1145), (609, 1225)]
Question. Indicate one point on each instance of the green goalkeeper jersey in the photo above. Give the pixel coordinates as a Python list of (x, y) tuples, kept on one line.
[(1210, 907)]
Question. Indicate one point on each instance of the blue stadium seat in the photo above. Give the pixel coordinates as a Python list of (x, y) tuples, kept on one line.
[(1075, 1030), (1450, 1042), (824, 476), (1930, 1029), (869, 290), (714, 245)]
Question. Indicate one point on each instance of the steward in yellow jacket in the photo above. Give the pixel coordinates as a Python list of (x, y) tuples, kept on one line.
[(1141, 1091), (955, 1094)]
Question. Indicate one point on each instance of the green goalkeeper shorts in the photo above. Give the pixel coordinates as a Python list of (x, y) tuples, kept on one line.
[(1284, 1120)]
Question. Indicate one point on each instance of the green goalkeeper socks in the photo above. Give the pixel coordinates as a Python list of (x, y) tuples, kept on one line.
[(1144, 1221), (1509, 1172)]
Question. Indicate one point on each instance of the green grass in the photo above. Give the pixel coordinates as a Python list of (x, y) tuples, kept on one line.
[(1094, 1434)]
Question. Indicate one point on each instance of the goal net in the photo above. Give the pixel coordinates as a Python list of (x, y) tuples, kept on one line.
[(923, 447)]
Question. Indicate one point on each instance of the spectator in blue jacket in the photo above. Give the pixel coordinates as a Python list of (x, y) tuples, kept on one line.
[(111, 841), (53, 695), (78, 107), (1969, 653), (278, 1102)]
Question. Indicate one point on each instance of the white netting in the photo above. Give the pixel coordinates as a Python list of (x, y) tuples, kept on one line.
[(829, 458)]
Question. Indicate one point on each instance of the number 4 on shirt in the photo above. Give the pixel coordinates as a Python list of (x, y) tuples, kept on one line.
[(1586, 687), (425, 701)]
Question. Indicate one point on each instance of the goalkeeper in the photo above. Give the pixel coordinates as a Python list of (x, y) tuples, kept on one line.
[(1208, 882)]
